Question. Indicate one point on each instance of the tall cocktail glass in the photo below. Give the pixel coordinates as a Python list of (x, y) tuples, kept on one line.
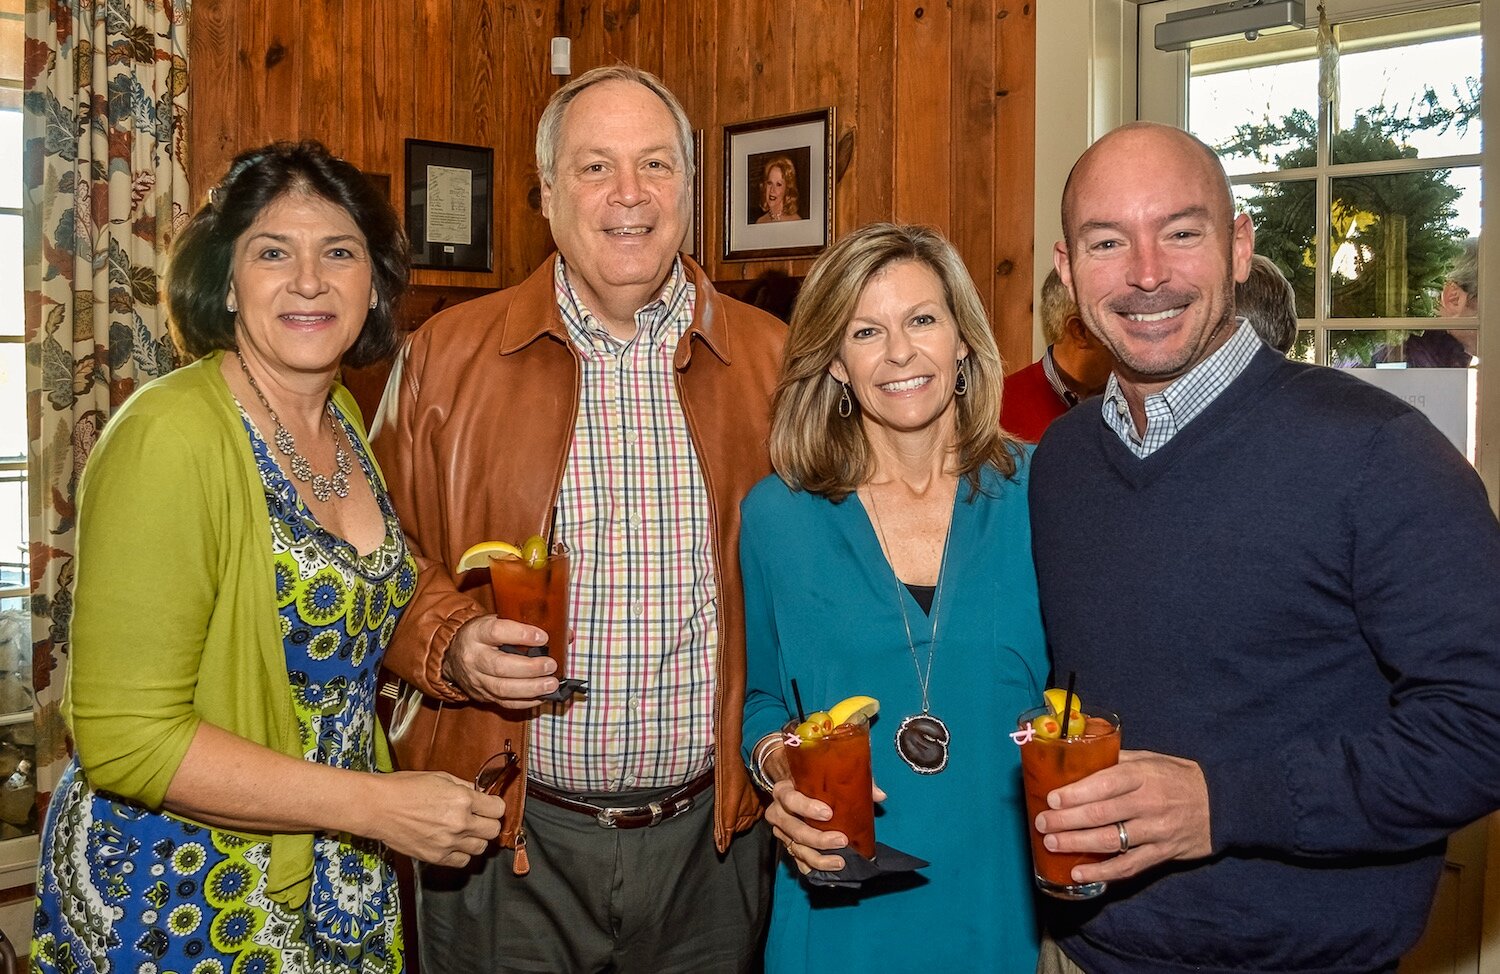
[(536, 596), (835, 769), (1050, 764)]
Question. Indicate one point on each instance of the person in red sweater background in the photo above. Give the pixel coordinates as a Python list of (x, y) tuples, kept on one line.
[(1074, 367)]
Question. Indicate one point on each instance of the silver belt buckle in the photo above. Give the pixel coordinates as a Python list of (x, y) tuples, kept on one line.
[(606, 817)]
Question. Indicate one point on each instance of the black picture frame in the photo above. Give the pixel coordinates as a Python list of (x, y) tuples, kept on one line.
[(755, 228), (451, 175)]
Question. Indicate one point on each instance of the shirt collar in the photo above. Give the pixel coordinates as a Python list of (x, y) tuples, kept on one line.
[(662, 321), (1171, 409)]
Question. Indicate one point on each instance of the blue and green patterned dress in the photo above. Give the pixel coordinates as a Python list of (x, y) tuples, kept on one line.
[(125, 889)]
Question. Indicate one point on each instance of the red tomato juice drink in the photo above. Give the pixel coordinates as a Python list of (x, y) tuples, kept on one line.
[(1049, 764), (835, 769), (536, 596)]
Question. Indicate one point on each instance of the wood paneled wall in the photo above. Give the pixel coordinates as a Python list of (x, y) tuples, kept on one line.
[(935, 103)]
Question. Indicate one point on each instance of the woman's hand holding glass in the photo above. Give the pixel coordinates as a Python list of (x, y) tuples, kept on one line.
[(790, 812)]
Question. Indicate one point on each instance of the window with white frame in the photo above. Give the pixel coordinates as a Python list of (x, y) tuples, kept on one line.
[(1355, 145), (17, 729)]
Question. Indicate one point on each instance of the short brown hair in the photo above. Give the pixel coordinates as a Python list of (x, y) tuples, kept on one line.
[(1267, 301), (1057, 307), (816, 450)]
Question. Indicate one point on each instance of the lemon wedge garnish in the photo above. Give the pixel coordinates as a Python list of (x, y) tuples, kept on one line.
[(846, 709), (479, 555), (1055, 697)]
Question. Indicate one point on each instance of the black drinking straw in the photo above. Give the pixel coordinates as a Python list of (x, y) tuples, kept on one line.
[(1068, 704), (797, 695), (551, 529)]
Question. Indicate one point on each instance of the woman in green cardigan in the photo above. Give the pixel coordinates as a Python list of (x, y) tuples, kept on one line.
[(240, 570)]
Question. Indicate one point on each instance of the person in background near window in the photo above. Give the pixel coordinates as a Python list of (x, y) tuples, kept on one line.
[(1437, 348), (1289, 598), (1266, 300), (778, 191), (617, 402), (1075, 366), (236, 590), (891, 557)]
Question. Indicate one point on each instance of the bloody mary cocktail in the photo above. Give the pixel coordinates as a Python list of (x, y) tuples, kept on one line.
[(1047, 764), (835, 769), (537, 596)]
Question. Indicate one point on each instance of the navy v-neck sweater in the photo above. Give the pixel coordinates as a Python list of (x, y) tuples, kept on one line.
[(1301, 592)]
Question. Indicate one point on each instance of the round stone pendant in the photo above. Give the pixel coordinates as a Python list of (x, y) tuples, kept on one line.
[(922, 742)]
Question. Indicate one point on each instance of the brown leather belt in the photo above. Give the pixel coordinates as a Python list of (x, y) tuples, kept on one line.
[(639, 817)]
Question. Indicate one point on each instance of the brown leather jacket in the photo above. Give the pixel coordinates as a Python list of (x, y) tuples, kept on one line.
[(473, 436)]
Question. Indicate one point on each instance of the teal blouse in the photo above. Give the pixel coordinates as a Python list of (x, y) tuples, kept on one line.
[(821, 607)]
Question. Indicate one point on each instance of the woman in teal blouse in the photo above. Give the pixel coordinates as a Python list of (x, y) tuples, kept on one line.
[(240, 572), (892, 557)]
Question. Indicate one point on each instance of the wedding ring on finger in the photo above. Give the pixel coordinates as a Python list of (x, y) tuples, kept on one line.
[(1124, 838)]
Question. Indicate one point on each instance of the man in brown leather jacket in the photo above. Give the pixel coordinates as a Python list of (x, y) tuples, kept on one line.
[(616, 402)]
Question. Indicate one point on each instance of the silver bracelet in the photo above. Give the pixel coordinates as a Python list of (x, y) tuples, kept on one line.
[(758, 755)]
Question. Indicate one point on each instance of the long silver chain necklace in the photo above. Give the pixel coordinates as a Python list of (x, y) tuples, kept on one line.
[(322, 487), (921, 739)]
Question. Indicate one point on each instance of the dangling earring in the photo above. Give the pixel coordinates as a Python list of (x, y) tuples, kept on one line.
[(374, 301), (229, 305), (961, 383), (846, 405)]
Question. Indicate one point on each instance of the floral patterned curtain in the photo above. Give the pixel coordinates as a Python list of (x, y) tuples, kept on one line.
[(105, 127)]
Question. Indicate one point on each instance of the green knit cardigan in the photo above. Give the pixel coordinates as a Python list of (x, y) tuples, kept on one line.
[(175, 618)]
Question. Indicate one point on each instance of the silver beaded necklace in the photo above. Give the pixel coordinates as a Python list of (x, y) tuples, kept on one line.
[(323, 487)]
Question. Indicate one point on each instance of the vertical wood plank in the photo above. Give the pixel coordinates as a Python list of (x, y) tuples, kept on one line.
[(974, 203), (251, 33), (211, 59), (1015, 174), (871, 176), (923, 155), (827, 43), (436, 71), (281, 103), (699, 85), (318, 64), (354, 85), (526, 85)]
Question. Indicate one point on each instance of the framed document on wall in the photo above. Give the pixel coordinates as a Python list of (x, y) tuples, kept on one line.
[(778, 186), (449, 189)]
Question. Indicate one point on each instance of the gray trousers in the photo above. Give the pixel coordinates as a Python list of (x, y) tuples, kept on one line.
[(1052, 959), (602, 900)]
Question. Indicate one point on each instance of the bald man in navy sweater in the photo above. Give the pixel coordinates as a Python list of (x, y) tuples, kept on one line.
[(1286, 585)]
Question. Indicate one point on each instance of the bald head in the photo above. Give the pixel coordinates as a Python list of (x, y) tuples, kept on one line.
[(1145, 141), (1152, 251)]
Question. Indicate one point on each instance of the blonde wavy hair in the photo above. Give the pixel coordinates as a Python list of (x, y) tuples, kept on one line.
[(812, 447)]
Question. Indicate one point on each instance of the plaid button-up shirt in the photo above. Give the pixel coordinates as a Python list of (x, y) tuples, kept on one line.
[(1168, 411), (634, 509)]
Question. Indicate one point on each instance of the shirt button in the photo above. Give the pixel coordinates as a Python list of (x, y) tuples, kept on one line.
[(635, 522), (637, 608), (635, 703), (631, 436), (631, 779)]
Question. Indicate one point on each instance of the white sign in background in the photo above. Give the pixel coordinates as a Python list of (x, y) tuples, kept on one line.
[(1445, 396)]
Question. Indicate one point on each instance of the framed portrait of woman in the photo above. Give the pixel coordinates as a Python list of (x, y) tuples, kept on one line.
[(778, 186)]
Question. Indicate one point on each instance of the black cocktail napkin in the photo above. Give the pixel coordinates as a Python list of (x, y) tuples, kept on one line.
[(857, 868), (565, 688)]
